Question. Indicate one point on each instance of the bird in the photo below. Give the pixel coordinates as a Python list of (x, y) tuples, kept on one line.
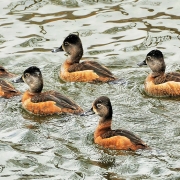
[(44, 103), (7, 90), (72, 70), (118, 139), (159, 83), (4, 73)]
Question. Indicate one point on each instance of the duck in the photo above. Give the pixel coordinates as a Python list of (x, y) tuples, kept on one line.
[(118, 139), (72, 70), (7, 90), (44, 103), (159, 83), (4, 73)]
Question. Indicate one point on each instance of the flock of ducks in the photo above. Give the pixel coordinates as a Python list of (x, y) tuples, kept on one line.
[(158, 83)]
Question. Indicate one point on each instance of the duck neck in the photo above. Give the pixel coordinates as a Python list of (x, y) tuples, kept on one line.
[(157, 74), (36, 86), (103, 127), (75, 55)]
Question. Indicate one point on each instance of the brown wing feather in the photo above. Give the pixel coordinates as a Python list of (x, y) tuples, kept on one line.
[(61, 101), (173, 76), (121, 132), (7, 87), (91, 65)]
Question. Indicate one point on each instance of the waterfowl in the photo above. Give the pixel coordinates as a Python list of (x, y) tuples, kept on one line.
[(158, 83), (72, 70), (119, 139), (44, 103), (6, 89), (4, 73)]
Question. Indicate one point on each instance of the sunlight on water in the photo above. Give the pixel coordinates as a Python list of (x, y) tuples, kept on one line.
[(117, 34)]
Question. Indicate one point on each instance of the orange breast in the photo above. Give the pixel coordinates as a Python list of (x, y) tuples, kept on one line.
[(41, 108), (170, 88), (81, 76), (114, 142), (117, 142), (44, 108), (8, 94)]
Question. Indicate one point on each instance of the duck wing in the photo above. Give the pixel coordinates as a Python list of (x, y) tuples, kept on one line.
[(60, 100), (173, 76), (7, 87), (91, 65), (121, 132)]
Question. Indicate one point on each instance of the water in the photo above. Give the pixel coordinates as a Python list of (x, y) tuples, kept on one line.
[(115, 33)]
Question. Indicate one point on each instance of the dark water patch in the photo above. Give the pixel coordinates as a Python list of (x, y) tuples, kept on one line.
[(148, 42), (32, 42), (115, 30), (6, 24)]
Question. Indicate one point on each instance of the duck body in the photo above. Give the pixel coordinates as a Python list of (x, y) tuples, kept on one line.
[(158, 83), (167, 85), (6, 89), (5, 74), (86, 71), (44, 103), (72, 70), (118, 139), (48, 103)]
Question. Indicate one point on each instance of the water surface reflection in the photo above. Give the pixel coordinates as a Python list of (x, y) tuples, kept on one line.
[(117, 34)]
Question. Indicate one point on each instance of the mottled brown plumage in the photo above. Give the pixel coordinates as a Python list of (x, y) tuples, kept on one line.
[(87, 71), (44, 103), (7, 90), (114, 139), (158, 83), (4, 73)]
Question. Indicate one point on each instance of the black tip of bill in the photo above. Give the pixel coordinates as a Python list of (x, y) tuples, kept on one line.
[(18, 80), (55, 50), (88, 113), (142, 63)]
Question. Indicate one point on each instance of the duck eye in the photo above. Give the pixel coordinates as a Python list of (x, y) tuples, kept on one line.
[(66, 43), (148, 58), (99, 105), (27, 75)]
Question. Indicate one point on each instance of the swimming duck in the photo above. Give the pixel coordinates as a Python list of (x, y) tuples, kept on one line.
[(114, 139), (6, 89), (4, 73), (72, 70), (44, 103), (158, 83)]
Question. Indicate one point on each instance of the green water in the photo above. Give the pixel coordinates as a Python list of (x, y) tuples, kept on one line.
[(117, 34)]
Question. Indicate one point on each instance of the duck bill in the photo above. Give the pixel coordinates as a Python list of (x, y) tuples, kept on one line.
[(57, 50), (142, 63), (88, 113), (18, 80)]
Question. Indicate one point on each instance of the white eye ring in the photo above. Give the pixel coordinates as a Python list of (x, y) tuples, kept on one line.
[(149, 58), (99, 105), (27, 75), (66, 43)]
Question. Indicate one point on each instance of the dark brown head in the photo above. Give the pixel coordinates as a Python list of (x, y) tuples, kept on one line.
[(102, 107), (33, 78), (155, 60), (72, 45)]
